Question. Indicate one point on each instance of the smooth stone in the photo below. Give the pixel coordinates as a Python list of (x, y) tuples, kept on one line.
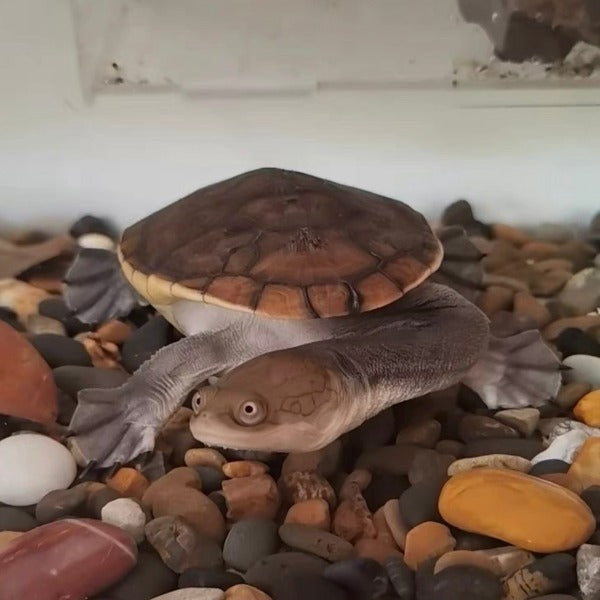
[(452, 447), (527, 448), (249, 541), (37, 324), (15, 519), (588, 409), (211, 478), (299, 485), (574, 341), (300, 586), (204, 457), (193, 594), (429, 464), (466, 557), (31, 465), (588, 571), (395, 460), (553, 573), (272, 570), (494, 299), (66, 408), (150, 578), (570, 393), (583, 368), (315, 541), (97, 241), (126, 514), (325, 461), (507, 559), (591, 496), (480, 427), (525, 511), (129, 482), (245, 592), (565, 480), (244, 468), (254, 496), (495, 461), (467, 540), (425, 541), (524, 420), (28, 390), (58, 350), (60, 503), (314, 513), (21, 298), (419, 503), (64, 556), (144, 342), (56, 308), (382, 488), (375, 549), (175, 437), (545, 467), (97, 498), (548, 284), (401, 577), (361, 577), (586, 322), (586, 466), (393, 518), (564, 448), (425, 433), (374, 432), (464, 582), (180, 477), (526, 305), (581, 294), (209, 578), (72, 378), (8, 536)]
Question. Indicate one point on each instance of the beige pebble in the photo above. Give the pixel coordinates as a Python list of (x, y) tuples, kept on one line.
[(21, 298), (494, 299), (383, 532), (425, 541), (496, 461), (254, 496), (245, 592), (204, 457), (505, 281), (525, 305), (37, 324), (524, 420), (244, 468), (455, 558), (393, 517), (313, 512)]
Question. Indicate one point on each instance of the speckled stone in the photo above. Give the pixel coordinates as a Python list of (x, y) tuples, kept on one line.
[(306, 485), (507, 559), (249, 541), (588, 571), (464, 582)]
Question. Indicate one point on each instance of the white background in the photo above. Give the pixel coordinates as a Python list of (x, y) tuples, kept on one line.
[(124, 155)]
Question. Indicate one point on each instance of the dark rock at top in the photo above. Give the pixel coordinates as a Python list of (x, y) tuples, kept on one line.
[(375, 432), (59, 350), (144, 342), (91, 224), (574, 341)]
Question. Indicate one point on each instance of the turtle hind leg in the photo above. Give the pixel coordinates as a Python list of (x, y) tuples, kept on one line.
[(516, 371)]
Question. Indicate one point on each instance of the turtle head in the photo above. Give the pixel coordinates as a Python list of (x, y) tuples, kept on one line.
[(279, 402)]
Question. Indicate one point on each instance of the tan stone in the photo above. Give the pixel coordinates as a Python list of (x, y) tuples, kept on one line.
[(383, 532), (519, 509), (245, 592), (524, 420), (313, 512), (425, 541), (494, 299), (456, 558), (8, 536), (586, 466), (540, 250), (181, 477), (375, 549), (571, 393), (305, 485), (424, 433), (21, 298), (244, 468), (355, 483), (129, 483), (508, 559), (104, 355), (254, 496), (564, 480), (395, 523), (525, 305), (505, 281), (587, 409), (514, 235), (496, 461), (353, 520), (204, 457), (114, 331), (554, 264), (552, 331), (550, 283), (500, 254)]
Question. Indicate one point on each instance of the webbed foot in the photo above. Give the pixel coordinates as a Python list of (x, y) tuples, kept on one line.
[(516, 371)]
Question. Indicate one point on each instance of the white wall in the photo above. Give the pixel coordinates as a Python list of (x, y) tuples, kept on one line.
[(124, 156)]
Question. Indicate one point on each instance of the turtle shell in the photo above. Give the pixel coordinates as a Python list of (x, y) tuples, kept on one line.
[(281, 244)]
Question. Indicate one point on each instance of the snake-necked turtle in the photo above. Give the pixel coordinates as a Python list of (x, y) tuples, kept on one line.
[(308, 299)]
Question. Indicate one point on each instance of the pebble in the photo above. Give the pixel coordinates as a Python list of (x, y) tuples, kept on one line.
[(245, 592), (527, 448), (588, 569), (353, 519), (211, 478), (128, 482), (20, 297), (553, 573), (495, 461), (549, 466), (507, 559), (272, 570), (114, 331), (64, 557), (144, 342), (419, 503), (244, 468), (315, 541), (393, 518), (581, 294), (180, 477), (71, 379), (587, 409), (180, 546), (325, 461), (192, 594), (395, 460), (429, 464), (375, 549), (552, 331), (401, 577), (466, 557), (467, 540), (574, 341), (425, 541), (384, 487), (209, 578), (126, 514), (426, 433), (374, 432), (97, 241), (361, 577), (479, 427), (524, 420), (565, 480), (463, 582), (314, 513), (28, 390), (452, 447), (31, 465), (60, 503), (175, 438), (494, 299), (98, 497), (564, 448), (150, 578), (583, 368), (570, 393), (254, 496), (16, 519), (302, 586), (91, 224), (298, 486), (204, 457), (37, 324), (519, 509), (591, 496), (59, 350), (249, 541), (586, 466), (55, 308), (526, 305)]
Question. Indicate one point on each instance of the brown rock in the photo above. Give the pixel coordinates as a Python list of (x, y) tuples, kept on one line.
[(578, 252), (254, 496), (570, 393), (383, 532), (375, 550), (510, 234), (480, 427), (21, 298), (315, 541), (204, 457), (355, 483), (426, 433), (28, 390), (114, 331), (175, 438), (299, 486), (245, 592), (353, 519), (429, 464), (325, 461), (180, 477), (500, 254), (525, 305), (466, 557), (552, 331), (129, 483), (314, 513), (450, 447), (524, 420), (8, 536), (395, 460), (539, 250), (554, 264), (494, 461), (508, 559), (565, 480), (505, 281), (393, 518), (244, 468), (548, 284), (425, 541), (104, 355), (586, 466), (495, 299)]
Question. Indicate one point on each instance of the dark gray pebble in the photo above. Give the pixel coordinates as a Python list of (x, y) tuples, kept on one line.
[(219, 499), (365, 578), (59, 350), (574, 341), (66, 407), (466, 540), (97, 500), (527, 448), (316, 541), (375, 432), (60, 503), (91, 224), (384, 487), (71, 379), (208, 578), (211, 478), (401, 577), (479, 427), (460, 213), (278, 568), (591, 496), (419, 503), (248, 541), (549, 410), (10, 318), (545, 467), (15, 519), (144, 342), (463, 582), (303, 586), (55, 308), (395, 460), (149, 578), (453, 447), (429, 464)]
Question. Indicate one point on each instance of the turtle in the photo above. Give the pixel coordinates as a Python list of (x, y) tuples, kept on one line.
[(305, 308)]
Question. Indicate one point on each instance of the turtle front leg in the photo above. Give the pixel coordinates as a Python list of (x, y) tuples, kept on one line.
[(116, 425)]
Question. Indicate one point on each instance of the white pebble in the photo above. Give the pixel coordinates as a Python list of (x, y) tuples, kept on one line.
[(569, 425), (193, 594), (126, 514), (564, 447), (31, 465), (96, 240), (584, 369)]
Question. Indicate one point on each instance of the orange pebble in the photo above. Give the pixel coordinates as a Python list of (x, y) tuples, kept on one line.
[(129, 483)]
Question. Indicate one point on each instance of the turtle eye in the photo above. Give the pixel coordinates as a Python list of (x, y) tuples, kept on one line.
[(198, 402), (251, 412)]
